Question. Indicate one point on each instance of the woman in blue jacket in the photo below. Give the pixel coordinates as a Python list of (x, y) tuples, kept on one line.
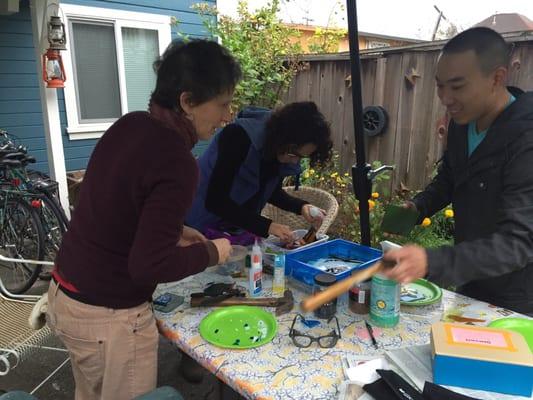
[(243, 168)]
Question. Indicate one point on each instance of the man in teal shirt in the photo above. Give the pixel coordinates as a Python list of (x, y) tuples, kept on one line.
[(475, 137), (486, 174)]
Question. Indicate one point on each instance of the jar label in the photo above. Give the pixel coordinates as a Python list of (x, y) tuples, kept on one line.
[(385, 302)]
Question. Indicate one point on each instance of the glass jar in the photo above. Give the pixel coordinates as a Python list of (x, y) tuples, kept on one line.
[(360, 298), (327, 310)]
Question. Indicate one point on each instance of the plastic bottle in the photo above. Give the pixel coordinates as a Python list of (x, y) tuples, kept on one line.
[(315, 212), (384, 301), (256, 271), (278, 283)]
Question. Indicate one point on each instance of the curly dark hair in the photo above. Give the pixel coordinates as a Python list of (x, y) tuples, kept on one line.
[(295, 125), (201, 67)]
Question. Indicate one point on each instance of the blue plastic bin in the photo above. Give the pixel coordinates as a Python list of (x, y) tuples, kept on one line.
[(296, 263)]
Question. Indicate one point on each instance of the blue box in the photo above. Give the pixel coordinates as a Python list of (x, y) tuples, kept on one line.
[(297, 263), (482, 358)]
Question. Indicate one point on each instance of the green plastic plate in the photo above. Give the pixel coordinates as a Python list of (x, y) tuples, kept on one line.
[(523, 326), (239, 327), (420, 293)]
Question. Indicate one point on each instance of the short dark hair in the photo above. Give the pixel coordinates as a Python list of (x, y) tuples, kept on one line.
[(295, 125), (201, 67), (490, 47)]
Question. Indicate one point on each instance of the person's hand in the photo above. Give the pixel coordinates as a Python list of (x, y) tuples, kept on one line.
[(224, 249), (190, 236), (409, 204), (411, 264), (313, 215), (281, 231)]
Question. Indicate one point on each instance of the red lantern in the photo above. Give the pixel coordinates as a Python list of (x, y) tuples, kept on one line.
[(53, 71)]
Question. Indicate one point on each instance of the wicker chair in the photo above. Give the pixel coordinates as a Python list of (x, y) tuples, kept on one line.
[(317, 197)]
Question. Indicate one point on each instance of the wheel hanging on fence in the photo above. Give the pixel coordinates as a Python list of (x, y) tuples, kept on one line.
[(375, 120)]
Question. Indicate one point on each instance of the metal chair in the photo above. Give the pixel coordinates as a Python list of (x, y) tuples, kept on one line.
[(315, 196), (17, 339)]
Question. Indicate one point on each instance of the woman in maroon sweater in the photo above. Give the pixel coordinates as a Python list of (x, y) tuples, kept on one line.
[(127, 233)]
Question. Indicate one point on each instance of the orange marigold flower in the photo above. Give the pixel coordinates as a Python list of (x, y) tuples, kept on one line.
[(371, 204), (426, 222), (375, 195)]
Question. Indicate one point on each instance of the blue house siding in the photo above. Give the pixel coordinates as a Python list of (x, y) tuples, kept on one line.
[(20, 102), (20, 108), (77, 152)]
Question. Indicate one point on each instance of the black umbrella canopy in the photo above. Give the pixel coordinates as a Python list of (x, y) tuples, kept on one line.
[(361, 183)]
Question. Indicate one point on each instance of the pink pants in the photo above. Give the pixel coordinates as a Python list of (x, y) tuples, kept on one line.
[(113, 352)]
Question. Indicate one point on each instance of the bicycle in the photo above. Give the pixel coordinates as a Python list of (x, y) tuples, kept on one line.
[(42, 191), (21, 236)]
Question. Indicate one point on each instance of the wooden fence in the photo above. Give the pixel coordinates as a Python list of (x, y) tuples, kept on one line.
[(410, 142)]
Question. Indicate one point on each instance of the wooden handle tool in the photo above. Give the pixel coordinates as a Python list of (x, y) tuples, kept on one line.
[(236, 301), (313, 302)]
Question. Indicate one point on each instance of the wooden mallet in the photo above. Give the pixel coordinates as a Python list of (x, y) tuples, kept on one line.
[(311, 303)]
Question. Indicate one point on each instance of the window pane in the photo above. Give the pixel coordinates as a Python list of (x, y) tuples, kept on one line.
[(140, 51), (95, 64)]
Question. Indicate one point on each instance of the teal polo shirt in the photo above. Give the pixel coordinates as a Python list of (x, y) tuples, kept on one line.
[(475, 137)]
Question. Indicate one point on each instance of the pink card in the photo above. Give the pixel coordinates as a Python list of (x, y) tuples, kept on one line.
[(478, 337)]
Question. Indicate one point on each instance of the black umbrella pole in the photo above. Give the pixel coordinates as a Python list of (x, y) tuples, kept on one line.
[(360, 181)]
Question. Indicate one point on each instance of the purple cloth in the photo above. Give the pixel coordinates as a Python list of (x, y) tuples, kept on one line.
[(240, 237)]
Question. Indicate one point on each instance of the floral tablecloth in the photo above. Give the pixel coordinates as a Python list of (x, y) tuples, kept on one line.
[(280, 370)]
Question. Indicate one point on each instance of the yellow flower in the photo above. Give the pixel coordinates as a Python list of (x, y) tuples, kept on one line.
[(375, 195), (448, 213), (339, 192), (321, 178), (333, 175), (371, 204), (311, 171), (426, 222), (346, 174), (343, 185), (306, 174)]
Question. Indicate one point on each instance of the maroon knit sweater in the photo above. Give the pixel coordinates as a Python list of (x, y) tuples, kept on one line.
[(138, 186)]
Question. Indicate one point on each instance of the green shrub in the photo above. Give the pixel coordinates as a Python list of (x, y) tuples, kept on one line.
[(438, 230), (261, 43)]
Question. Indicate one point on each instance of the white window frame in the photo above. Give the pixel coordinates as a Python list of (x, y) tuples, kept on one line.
[(119, 19)]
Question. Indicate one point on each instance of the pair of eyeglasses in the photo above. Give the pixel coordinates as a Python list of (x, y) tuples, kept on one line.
[(293, 153), (303, 340)]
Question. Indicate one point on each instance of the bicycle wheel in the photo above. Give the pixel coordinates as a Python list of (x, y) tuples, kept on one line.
[(53, 225), (21, 237), (54, 200)]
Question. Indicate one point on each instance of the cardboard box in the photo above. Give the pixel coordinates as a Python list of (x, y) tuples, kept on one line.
[(482, 358)]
